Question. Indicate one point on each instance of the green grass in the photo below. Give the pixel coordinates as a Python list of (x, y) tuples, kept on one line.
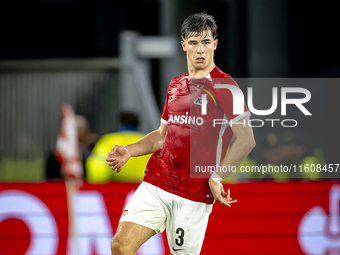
[(22, 170)]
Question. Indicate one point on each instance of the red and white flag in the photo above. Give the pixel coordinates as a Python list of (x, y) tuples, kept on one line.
[(68, 154), (67, 148)]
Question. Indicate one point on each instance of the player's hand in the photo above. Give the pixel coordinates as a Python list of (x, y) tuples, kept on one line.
[(219, 194), (117, 157)]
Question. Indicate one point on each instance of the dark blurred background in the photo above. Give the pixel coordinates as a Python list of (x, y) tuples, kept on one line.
[(301, 35), (257, 39)]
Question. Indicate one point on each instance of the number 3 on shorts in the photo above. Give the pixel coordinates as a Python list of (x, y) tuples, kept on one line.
[(180, 238)]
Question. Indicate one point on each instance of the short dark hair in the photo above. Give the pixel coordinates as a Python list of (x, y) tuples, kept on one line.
[(197, 23), (129, 119)]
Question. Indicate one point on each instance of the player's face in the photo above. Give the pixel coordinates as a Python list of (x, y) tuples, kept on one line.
[(200, 50)]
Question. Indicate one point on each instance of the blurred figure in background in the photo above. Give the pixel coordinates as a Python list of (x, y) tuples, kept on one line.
[(86, 141), (97, 169)]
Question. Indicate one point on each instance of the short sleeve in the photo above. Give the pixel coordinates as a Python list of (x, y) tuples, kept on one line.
[(164, 118)]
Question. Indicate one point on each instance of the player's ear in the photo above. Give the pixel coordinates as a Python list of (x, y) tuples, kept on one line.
[(215, 44), (183, 46)]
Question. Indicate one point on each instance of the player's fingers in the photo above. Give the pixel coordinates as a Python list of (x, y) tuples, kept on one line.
[(223, 201), (112, 162), (110, 157), (223, 193), (119, 169), (228, 194), (112, 152), (232, 202), (115, 166), (227, 204)]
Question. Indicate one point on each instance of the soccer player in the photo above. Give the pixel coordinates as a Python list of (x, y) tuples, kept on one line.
[(168, 198)]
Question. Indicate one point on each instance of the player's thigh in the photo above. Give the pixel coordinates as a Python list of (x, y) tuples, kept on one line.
[(130, 236), (186, 226), (145, 208)]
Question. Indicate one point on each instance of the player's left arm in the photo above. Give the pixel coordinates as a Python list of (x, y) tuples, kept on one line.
[(242, 146), (240, 149)]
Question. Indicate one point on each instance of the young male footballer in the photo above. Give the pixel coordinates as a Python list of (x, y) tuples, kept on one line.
[(170, 197)]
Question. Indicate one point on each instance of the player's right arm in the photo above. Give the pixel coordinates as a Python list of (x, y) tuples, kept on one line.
[(153, 141)]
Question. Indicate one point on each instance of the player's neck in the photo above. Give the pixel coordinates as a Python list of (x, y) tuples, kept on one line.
[(200, 73)]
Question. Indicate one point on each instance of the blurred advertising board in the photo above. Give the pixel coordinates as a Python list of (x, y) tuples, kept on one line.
[(292, 217)]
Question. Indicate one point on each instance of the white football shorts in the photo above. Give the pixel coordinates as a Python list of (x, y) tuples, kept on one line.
[(185, 221)]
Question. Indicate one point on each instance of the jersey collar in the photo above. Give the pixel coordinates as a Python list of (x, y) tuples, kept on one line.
[(212, 74)]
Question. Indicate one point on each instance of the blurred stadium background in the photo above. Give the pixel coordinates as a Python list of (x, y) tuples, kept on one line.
[(104, 57)]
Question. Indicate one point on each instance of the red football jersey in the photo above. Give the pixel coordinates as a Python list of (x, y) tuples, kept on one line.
[(192, 140)]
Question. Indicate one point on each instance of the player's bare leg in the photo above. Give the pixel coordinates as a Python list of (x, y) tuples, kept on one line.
[(129, 237)]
